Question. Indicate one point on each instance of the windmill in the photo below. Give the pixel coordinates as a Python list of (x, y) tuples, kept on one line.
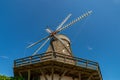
[(59, 39), (59, 64)]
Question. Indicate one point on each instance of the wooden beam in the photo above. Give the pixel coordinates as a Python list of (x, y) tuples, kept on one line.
[(62, 75), (20, 74), (29, 74), (52, 76), (73, 78), (89, 78), (79, 74), (72, 70), (61, 71), (43, 74)]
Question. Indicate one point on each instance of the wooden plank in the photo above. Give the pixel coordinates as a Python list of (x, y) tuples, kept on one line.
[(43, 74), (52, 77), (62, 75), (20, 74), (90, 77), (29, 74), (79, 74)]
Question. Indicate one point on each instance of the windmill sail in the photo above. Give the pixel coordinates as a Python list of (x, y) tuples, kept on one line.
[(41, 46), (63, 21), (52, 34), (76, 20), (38, 42)]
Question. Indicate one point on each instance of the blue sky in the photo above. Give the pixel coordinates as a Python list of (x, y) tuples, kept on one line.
[(97, 37)]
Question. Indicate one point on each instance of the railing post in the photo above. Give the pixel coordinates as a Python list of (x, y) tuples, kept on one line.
[(30, 59), (87, 64), (22, 62), (75, 61), (79, 76), (29, 74), (14, 63), (98, 67), (40, 58), (53, 55), (64, 59)]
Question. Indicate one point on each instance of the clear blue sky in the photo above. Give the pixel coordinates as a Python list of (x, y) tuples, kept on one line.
[(97, 37)]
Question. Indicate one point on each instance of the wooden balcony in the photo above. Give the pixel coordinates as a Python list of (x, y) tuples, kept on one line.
[(59, 61)]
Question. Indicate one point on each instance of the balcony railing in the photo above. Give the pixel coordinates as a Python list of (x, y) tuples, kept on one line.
[(57, 57)]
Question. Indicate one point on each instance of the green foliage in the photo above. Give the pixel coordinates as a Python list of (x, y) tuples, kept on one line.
[(16, 78), (3, 77)]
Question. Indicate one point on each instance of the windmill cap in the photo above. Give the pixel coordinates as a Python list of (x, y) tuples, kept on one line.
[(63, 37)]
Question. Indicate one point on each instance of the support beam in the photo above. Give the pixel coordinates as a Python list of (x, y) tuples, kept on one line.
[(89, 78), (73, 78), (20, 74), (43, 74), (52, 77), (79, 74), (29, 74), (62, 74)]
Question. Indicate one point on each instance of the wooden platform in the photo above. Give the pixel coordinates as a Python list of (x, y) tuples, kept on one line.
[(57, 63)]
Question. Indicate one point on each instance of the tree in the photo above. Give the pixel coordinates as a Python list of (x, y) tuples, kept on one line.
[(3, 77)]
